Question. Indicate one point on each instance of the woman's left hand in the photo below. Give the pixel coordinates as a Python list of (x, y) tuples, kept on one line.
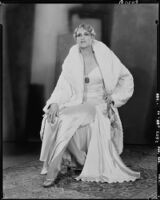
[(108, 100)]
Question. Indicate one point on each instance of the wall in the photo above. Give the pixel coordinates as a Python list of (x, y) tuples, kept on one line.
[(17, 51), (30, 65), (50, 21), (134, 40)]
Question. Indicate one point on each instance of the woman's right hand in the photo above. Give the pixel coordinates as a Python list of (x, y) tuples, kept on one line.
[(52, 112)]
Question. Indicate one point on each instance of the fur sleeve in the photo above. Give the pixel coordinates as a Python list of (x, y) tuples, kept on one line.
[(61, 94), (125, 85)]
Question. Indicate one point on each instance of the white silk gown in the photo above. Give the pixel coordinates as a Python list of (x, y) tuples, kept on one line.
[(90, 129)]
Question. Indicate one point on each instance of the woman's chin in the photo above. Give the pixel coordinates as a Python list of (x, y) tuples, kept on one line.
[(83, 46)]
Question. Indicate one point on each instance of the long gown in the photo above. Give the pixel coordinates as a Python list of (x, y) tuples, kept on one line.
[(88, 126)]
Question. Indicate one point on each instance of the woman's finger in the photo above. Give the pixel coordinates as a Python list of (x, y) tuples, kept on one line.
[(51, 112), (52, 118), (48, 118), (58, 113)]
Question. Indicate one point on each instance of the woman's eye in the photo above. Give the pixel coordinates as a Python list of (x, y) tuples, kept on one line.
[(86, 34), (79, 35)]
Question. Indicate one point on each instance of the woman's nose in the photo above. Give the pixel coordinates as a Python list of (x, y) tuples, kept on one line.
[(83, 36)]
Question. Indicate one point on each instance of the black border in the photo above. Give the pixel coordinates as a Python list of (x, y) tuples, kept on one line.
[(81, 1), (1, 89), (157, 97)]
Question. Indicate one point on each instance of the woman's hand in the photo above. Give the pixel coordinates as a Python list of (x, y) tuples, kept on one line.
[(108, 100), (109, 111), (52, 112)]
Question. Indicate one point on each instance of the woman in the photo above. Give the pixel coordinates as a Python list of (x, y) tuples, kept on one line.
[(81, 115)]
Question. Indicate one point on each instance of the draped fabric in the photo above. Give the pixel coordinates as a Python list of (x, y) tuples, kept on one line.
[(118, 82), (89, 125)]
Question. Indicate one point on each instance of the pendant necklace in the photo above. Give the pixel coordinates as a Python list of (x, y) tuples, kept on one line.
[(86, 78)]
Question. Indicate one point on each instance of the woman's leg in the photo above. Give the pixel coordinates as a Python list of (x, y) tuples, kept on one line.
[(55, 166), (44, 168), (71, 120), (66, 130), (79, 155)]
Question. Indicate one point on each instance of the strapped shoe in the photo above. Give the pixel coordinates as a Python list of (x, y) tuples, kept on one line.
[(44, 171), (49, 183)]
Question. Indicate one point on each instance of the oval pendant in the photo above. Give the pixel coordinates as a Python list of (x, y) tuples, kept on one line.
[(86, 80)]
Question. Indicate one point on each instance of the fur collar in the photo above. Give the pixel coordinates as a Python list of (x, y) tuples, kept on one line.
[(73, 67)]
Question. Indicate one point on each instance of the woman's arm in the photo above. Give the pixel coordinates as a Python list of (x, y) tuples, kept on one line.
[(61, 94)]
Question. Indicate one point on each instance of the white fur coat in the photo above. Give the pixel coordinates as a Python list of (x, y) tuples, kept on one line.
[(117, 79)]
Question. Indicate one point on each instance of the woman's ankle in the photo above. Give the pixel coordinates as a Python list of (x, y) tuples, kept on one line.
[(45, 165), (51, 176)]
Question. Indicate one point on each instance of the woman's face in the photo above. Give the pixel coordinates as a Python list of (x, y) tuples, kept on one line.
[(83, 38)]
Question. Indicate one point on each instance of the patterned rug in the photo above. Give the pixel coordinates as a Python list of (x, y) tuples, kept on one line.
[(25, 181)]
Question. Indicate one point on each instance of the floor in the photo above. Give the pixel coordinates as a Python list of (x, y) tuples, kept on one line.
[(18, 154)]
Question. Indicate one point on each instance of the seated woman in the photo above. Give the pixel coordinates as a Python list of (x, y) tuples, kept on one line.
[(81, 115)]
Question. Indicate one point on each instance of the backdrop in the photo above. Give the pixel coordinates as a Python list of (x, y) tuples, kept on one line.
[(36, 39)]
